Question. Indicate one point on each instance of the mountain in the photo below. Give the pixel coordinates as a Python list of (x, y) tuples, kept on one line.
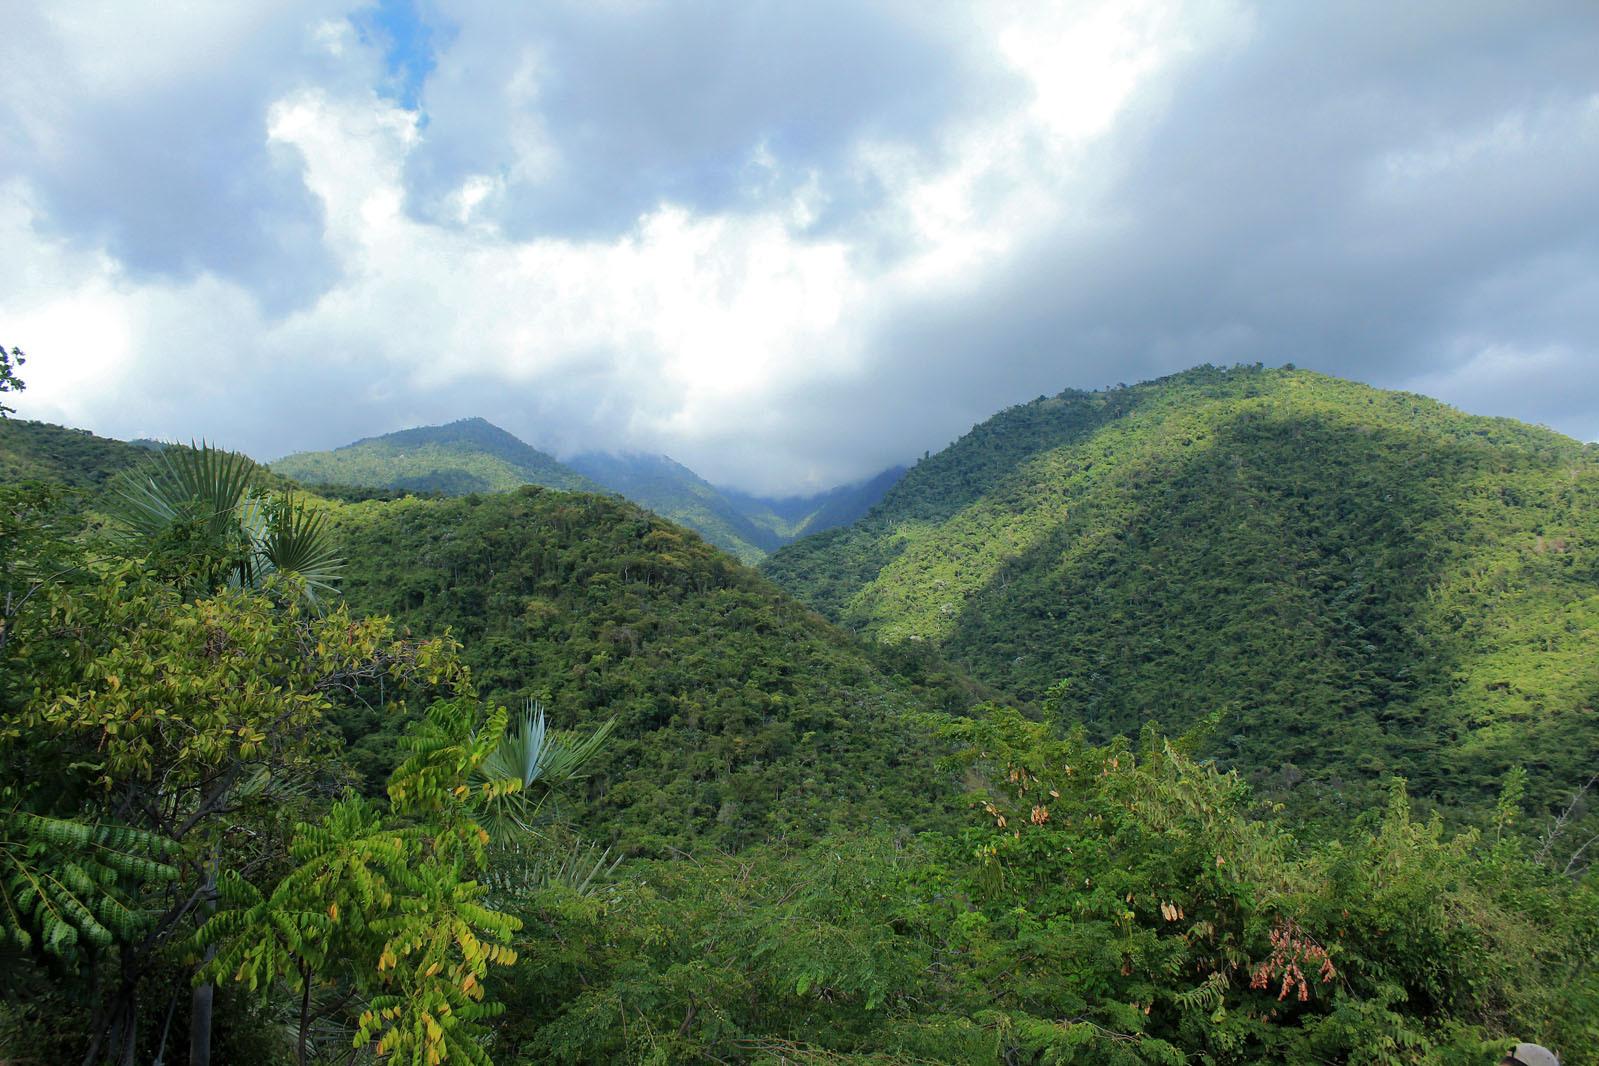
[(673, 491), (471, 455), (751, 527), (39, 451), (474, 455), (830, 849), (793, 517), (742, 716), (1322, 583)]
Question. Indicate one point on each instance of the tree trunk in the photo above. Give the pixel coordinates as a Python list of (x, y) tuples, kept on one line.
[(200, 1023), (305, 1014), (201, 999), (116, 1033)]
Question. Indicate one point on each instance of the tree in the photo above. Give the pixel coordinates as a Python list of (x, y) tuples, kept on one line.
[(197, 515), (9, 382), (197, 722), (387, 909), (171, 706)]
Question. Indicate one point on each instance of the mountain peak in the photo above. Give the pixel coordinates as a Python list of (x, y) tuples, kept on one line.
[(1201, 547), (467, 455)]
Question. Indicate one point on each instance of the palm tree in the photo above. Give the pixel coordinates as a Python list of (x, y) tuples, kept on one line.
[(197, 508), (542, 761)]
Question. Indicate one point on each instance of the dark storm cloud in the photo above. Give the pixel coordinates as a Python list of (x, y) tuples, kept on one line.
[(1380, 196), (171, 174), (602, 112), (1402, 194)]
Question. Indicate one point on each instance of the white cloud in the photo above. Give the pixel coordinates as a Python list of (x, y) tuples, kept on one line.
[(827, 309)]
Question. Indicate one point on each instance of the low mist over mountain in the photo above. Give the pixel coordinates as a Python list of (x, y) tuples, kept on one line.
[(473, 455), (748, 526)]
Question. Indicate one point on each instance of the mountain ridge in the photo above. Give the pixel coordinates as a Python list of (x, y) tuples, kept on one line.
[(1311, 576), (467, 455), (474, 455)]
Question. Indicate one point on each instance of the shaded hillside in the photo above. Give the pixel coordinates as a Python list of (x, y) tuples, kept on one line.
[(749, 526), (673, 491), (471, 455), (742, 716), (39, 451), (1325, 582), (792, 517)]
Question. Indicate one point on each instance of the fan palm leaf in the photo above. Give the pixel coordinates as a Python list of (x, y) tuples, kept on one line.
[(200, 481), (260, 536), (541, 762), (296, 541)]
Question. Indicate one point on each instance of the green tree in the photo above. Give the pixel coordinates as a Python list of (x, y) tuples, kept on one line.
[(1145, 899), (196, 721), (388, 909), (9, 382), (200, 518)]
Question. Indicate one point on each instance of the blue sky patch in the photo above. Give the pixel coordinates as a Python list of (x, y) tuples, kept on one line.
[(409, 41)]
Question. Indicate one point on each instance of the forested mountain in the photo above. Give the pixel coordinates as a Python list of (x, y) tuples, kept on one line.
[(39, 451), (471, 455), (741, 716), (266, 779), (1322, 582), (673, 491), (749, 526), (793, 517)]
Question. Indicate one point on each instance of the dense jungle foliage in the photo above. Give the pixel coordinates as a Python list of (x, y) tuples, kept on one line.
[(1323, 583), (741, 715), (38, 451), (248, 819)]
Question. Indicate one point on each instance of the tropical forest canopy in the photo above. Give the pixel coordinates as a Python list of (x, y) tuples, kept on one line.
[(1321, 584), (1242, 716)]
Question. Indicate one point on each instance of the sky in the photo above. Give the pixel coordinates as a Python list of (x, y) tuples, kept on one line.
[(789, 244)]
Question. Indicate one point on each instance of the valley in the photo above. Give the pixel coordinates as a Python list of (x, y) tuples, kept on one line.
[(1242, 715)]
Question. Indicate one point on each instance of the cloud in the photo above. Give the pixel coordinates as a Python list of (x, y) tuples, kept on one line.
[(140, 130), (787, 245), (578, 117)]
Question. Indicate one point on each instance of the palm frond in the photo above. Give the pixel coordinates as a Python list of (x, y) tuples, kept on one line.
[(524, 867), (294, 539), (255, 535), (541, 762), (199, 482)]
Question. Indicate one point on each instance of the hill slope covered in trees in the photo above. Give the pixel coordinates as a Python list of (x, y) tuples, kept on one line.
[(39, 451), (1325, 583), (822, 862), (741, 715), (675, 492), (471, 455)]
